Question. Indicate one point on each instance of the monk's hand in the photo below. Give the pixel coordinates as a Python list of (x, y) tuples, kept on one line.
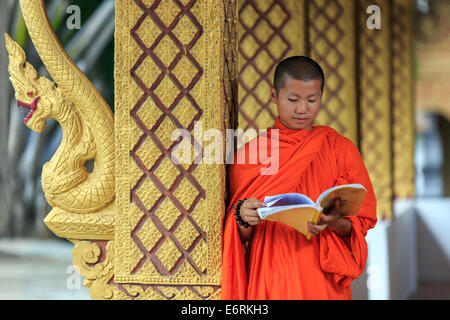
[(249, 213), (327, 218), (332, 213)]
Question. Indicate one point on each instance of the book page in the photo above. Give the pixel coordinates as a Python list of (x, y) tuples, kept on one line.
[(297, 218), (287, 199), (351, 195)]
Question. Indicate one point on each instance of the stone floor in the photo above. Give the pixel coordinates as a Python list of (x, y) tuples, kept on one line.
[(39, 270), (42, 270)]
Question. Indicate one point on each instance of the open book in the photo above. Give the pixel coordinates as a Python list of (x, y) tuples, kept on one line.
[(296, 209)]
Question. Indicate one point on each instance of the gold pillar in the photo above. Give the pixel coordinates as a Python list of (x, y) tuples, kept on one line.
[(403, 102), (331, 42), (269, 31), (171, 58), (375, 102)]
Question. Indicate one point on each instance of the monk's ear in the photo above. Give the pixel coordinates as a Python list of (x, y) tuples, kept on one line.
[(273, 95)]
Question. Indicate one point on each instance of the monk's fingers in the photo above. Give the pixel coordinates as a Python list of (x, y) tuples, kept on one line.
[(253, 222), (337, 203), (253, 203), (316, 228), (327, 218), (334, 214), (249, 213), (250, 216), (337, 206), (312, 230)]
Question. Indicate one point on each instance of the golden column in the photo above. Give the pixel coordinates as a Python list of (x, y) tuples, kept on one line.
[(269, 31), (403, 98), (174, 70), (375, 89), (146, 224), (331, 42)]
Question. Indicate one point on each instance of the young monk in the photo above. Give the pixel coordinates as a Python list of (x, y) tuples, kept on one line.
[(280, 262)]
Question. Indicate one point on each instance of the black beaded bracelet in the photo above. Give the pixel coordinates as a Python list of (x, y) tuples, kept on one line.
[(238, 214)]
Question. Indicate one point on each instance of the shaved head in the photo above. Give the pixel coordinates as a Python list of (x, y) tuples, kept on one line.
[(298, 68)]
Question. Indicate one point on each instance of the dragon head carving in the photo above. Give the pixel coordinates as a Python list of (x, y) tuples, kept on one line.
[(38, 95)]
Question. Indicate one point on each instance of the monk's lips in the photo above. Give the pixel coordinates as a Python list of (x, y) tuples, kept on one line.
[(31, 106)]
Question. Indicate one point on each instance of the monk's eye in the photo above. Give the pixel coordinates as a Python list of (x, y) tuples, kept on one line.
[(292, 100), (311, 101)]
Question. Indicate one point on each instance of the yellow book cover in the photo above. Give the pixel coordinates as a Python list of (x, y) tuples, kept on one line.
[(295, 209)]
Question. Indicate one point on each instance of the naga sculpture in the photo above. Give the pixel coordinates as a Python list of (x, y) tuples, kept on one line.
[(83, 203), (86, 119)]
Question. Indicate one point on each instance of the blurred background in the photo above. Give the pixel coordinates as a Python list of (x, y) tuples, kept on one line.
[(35, 264)]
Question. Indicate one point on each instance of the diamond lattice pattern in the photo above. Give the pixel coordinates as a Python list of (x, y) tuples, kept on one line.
[(261, 46), (166, 193)]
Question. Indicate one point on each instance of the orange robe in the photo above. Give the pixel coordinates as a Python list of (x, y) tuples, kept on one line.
[(279, 262)]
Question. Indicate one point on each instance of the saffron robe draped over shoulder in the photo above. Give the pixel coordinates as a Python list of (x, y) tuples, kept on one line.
[(279, 262)]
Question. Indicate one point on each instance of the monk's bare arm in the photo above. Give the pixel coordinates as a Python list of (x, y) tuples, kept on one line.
[(245, 233), (341, 226)]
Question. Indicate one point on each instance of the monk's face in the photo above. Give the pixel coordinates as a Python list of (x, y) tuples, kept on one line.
[(298, 102)]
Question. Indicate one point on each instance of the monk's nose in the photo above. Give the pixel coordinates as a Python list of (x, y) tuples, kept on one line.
[(301, 108)]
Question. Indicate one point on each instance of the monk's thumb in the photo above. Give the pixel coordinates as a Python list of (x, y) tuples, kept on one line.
[(337, 203)]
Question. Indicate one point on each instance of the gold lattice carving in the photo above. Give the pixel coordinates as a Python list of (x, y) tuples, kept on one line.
[(269, 31), (95, 262), (168, 236), (375, 103), (272, 30), (403, 102), (331, 27)]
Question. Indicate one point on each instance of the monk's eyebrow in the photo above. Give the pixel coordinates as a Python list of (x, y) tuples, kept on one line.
[(298, 96)]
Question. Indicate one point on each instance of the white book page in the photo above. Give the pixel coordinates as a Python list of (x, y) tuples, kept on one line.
[(282, 202), (287, 199)]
